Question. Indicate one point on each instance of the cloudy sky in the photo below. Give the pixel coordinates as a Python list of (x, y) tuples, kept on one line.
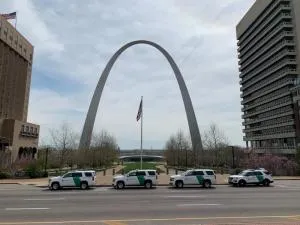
[(74, 40)]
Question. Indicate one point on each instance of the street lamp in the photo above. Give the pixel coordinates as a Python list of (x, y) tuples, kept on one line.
[(233, 157)]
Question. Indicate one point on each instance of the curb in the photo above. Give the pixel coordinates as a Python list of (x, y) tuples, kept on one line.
[(10, 183)]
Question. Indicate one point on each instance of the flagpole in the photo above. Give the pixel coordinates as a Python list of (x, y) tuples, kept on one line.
[(142, 133)]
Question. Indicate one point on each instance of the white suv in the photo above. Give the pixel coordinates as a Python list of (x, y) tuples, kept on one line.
[(146, 178), (83, 179), (260, 176), (203, 177)]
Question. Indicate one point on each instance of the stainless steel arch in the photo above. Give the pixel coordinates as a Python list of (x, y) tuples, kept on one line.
[(86, 135)]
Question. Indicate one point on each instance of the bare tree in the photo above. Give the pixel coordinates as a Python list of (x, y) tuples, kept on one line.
[(215, 140), (178, 150), (103, 150), (65, 141)]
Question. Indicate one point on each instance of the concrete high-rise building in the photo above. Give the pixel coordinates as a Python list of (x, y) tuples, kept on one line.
[(16, 54), (269, 57)]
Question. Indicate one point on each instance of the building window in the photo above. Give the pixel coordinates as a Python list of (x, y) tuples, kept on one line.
[(23, 128), (27, 129), (35, 130), (31, 129)]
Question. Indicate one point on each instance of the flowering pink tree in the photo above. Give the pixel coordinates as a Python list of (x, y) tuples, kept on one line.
[(278, 165)]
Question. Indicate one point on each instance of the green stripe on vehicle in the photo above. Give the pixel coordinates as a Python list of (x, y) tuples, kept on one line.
[(141, 180), (200, 179), (260, 178), (76, 181)]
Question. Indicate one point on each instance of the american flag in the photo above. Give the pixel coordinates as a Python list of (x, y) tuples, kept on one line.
[(139, 114), (10, 16)]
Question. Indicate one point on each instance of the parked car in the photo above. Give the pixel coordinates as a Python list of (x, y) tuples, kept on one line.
[(145, 178), (246, 177), (79, 178), (195, 177)]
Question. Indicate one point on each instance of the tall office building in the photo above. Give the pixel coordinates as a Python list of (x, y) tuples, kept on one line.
[(269, 56), (16, 55)]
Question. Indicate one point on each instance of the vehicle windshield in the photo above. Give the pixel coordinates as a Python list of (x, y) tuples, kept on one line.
[(243, 173)]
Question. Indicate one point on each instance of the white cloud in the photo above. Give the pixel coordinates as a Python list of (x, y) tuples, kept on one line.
[(74, 41)]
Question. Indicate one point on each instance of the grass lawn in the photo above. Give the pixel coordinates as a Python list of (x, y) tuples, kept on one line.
[(137, 165)]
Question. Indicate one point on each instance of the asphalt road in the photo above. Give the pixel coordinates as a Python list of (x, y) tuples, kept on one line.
[(280, 204)]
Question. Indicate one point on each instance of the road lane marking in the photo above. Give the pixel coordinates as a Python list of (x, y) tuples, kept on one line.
[(43, 199), (279, 185), (148, 220), (191, 204), (16, 209), (109, 222), (185, 196)]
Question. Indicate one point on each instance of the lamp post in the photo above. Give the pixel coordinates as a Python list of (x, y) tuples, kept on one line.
[(186, 158), (233, 156), (46, 161)]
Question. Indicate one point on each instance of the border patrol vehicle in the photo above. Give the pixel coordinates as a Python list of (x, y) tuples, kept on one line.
[(258, 177), (82, 179), (145, 178), (202, 177)]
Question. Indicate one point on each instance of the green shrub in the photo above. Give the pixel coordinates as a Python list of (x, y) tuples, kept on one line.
[(235, 171), (34, 170), (5, 175)]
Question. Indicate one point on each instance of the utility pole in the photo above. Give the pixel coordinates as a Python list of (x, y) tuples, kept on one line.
[(233, 160), (186, 158), (46, 161)]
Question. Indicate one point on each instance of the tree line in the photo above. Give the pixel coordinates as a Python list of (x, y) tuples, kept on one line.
[(63, 149), (219, 154)]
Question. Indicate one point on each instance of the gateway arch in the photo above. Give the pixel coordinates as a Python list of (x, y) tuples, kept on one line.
[(86, 135)]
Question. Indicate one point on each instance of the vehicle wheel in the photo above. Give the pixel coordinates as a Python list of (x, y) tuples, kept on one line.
[(207, 184), (120, 185), (83, 185), (242, 183), (266, 183), (148, 184), (179, 184), (55, 186)]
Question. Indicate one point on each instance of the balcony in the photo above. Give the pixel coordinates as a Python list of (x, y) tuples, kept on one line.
[(262, 48), (271, 136), (258, 22), (282, 63), (266, 39), (266, 109), (263, 29), (270, 79), (265, 89), (252, 72), (279, 102), (275, 150), (265, 94), (268, 31), (245, 123), (269, 61), (287, 123), (29, 134), (264, 54)]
